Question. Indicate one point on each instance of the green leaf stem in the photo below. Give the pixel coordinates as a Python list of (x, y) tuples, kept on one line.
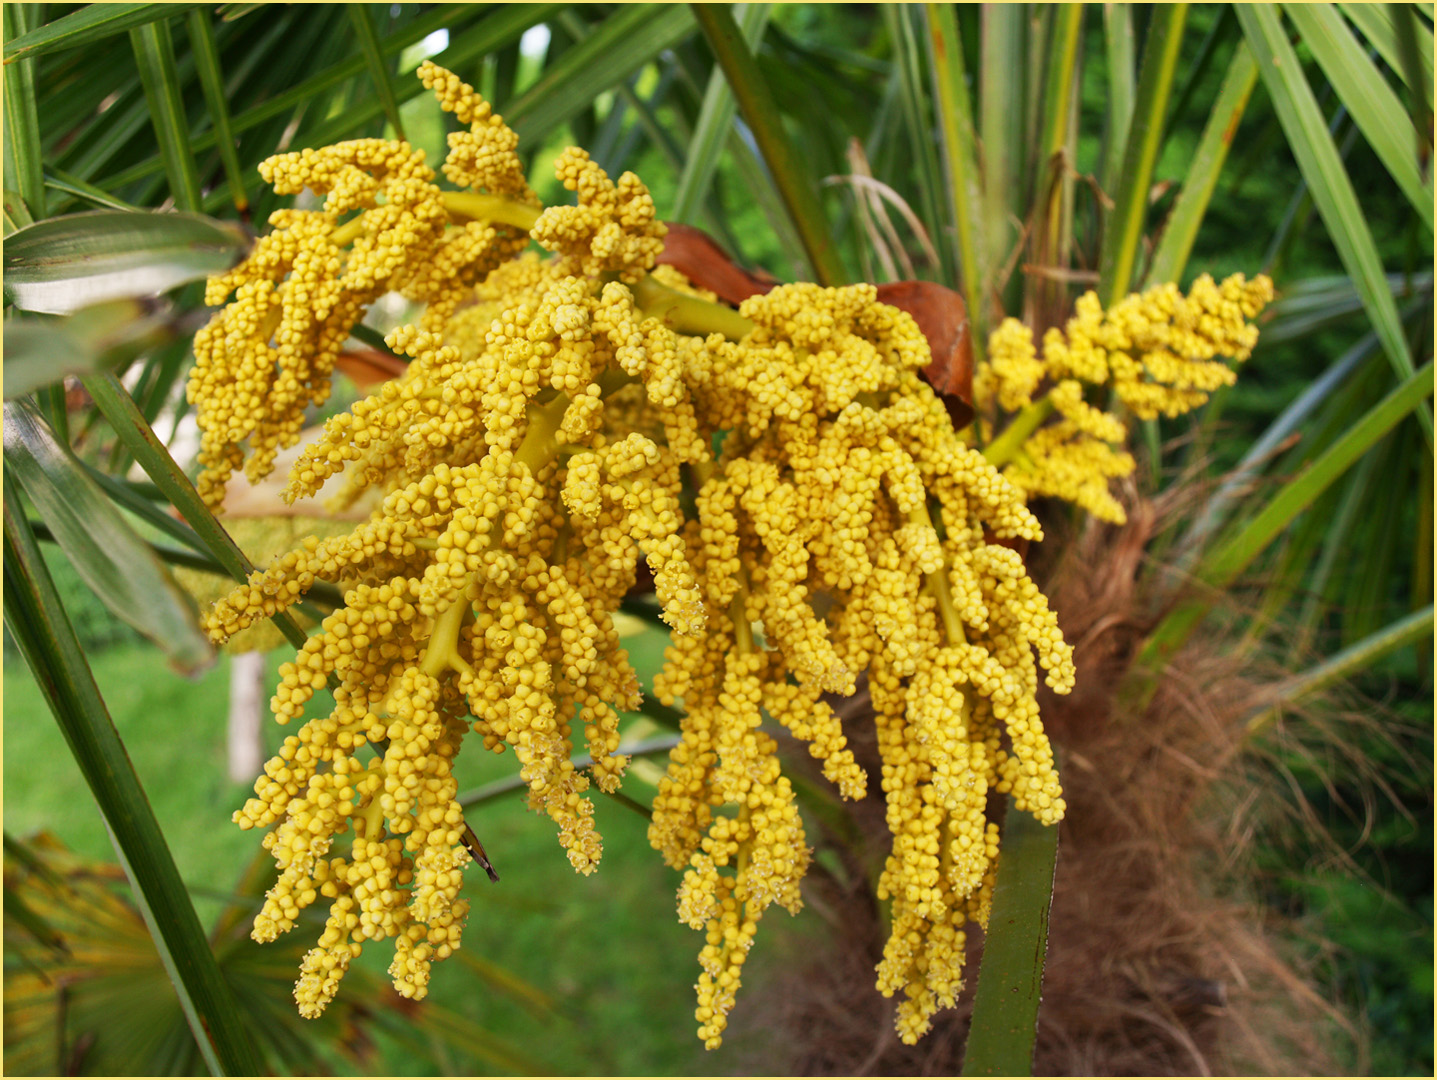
[(1010, 981)]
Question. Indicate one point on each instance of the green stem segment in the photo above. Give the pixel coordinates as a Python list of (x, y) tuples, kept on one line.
[(689, 314), (1007, 446), (496, 208), (755, 101), (539, 445), (1010, 982), (442, 652), (937, 585), (685, 313)]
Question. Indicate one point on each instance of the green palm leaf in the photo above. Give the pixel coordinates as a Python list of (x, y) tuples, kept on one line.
[(38, 624), (1374, 106), (90, 25), (1122, 234), (755, 101), (1222, 566), (1329, 183), (155, 54)]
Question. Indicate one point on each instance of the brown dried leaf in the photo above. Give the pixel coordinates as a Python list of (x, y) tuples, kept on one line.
[(368, 367), (696, 255), (943, 318)]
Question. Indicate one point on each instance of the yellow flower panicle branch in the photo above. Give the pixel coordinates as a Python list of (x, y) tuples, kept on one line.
[(1159, 351), (537, 448)]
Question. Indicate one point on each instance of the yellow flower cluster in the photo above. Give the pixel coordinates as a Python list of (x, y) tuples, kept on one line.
[(1159, 349), (842, 481), (556, 424), (269, 353), (1159, 352), (613, 229)]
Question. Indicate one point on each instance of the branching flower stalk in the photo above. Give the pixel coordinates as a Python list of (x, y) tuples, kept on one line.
[(1159, 351), (536, 449)]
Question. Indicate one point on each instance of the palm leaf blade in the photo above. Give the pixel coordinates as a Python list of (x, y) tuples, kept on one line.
[(1408, 630), (621, 45), (105, 551), (362, 19), (955, 125), (48, 643), (1123, 233), (92, 23), (1229, 559), (115, 403), (22, 121), (1208, 160), (155, 54), (715, 120), (67, 263), (1374, 106), (797, 189), (1327, 179), (202, 42)]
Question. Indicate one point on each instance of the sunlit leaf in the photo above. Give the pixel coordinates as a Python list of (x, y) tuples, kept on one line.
[(70, 262), (105, 551)]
